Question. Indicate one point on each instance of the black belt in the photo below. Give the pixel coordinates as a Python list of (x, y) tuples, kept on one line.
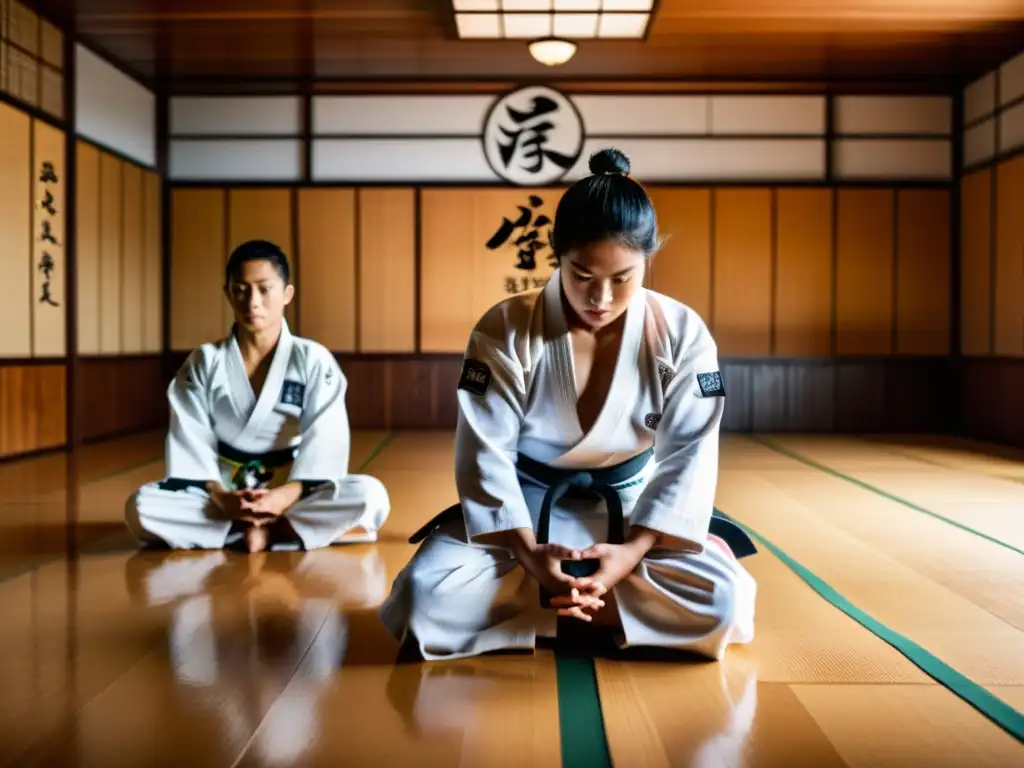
[(270, 459), (575, 483)]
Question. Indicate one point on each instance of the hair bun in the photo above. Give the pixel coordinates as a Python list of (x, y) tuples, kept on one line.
[(609, 160)]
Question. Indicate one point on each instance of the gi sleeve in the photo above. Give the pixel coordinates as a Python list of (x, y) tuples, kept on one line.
[(491, 396), (679, 499), (323, 453), (191, 447)]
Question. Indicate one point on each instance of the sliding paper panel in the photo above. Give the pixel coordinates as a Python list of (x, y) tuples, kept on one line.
[(470, 256), (1009, 264), (15, 231), (864, 272), (803, 292), (387, 270), (682, 268), (87, 248), (326, 287), (132, 264), (197, 267), (153, 278), (922, 280), (111, 237), (262, 214), (49, 260), (742, 271)]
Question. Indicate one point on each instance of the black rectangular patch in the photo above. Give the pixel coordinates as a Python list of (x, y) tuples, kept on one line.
[(293, 393), (711, 384), (476, 377)]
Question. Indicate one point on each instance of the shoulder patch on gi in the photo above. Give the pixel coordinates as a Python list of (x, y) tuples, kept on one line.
[(476, 377), (651, 420), (711, 384), (293, 393)]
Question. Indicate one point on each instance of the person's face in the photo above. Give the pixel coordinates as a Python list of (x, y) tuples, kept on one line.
[(258, 296), (600, 279)]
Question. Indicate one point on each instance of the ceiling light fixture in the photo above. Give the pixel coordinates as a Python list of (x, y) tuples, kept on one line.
[(545, 19), (552, 51)]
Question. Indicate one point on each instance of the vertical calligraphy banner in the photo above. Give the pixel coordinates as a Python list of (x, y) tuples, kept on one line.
[(478, 247), (15, 231), (49, 265)]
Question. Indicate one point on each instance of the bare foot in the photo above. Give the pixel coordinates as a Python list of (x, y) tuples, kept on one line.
[(257, 538)]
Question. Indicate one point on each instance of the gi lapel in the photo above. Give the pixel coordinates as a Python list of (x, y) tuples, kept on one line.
[(556, 335), (271, 388), (621, 394), (243, 399)]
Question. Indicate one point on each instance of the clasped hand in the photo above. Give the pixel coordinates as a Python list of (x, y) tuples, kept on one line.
[(580, 597), (258, 506)]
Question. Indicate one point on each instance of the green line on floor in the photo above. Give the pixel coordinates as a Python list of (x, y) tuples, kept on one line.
[(388, 438), (991, 706), (868, 487), (584, 742)]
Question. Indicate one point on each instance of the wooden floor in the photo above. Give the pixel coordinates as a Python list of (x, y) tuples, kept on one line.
[(111, 657)]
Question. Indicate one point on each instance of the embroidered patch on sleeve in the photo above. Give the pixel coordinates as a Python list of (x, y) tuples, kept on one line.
[(476, 377), (292, 393), (651, 420), (711, 384)]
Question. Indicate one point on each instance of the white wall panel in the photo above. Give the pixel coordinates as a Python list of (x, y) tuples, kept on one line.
[(768, 115), (401, 115), (112, 109), (885, 159), (1011, 80), (714, 159), (401, 160), (1011, 128), (980, 98), (238, 115), (639, 115), (235, 160), (980, 142), (893, 115)]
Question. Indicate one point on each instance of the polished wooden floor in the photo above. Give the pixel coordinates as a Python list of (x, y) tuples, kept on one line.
[(112, 657)]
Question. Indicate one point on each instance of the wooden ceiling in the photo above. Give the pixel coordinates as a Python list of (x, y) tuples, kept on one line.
[(209, 44)]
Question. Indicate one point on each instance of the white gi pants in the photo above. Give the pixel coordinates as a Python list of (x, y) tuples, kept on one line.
[(188, 519)]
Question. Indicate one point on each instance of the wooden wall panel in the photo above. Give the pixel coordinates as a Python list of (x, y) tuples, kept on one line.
[(32, 408), (49, 260), (864, 272), (111, 236), (923, 272), (991, 401), (87, 247), (15, 233), (387, 270), (152, 246), (803, 283), (460, 276), (198, 247), (121, 395), (682, 269), (132, 261), (742, 279), (1009, 262), (261, 214), (976, 263), (326, 289)]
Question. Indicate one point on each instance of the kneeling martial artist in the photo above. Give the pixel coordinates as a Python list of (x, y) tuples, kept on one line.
[(586, 460)]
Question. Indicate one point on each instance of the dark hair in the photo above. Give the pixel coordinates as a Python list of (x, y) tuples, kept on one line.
[(606, 205), (257, 250)]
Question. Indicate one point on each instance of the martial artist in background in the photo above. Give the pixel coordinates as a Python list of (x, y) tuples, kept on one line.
[(258, 447), (586, 460)]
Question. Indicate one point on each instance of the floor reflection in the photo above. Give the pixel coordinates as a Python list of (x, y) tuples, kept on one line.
[(247, 634)]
